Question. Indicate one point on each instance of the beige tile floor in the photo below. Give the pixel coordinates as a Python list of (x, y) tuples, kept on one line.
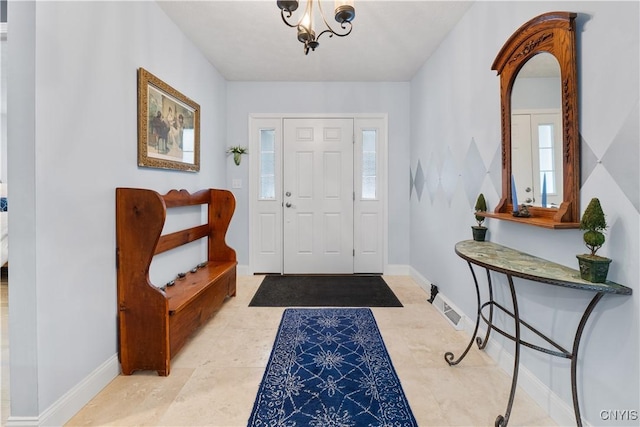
[(215, 378)]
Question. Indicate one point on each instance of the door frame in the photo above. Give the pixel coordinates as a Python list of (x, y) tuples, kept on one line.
[(258, 121)]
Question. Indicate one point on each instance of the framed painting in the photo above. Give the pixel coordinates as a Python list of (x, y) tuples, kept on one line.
[(168, 126)]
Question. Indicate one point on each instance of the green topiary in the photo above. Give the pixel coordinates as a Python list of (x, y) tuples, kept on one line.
[(594, 222), (481, 206)]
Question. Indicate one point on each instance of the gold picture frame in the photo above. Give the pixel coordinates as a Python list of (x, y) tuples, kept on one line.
[(168, 126)]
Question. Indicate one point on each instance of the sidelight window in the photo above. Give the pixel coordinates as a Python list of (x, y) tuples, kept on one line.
[(369, 165), (267, 165), (546, 151)]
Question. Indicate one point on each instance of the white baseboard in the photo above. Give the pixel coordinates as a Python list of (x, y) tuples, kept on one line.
[(397, 270), (75, 399), (422, 281), (560, 411), (550, 402), (22, 421)]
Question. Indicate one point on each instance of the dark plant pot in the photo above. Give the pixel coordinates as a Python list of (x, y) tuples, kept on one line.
[(479, 233), (593, 268)]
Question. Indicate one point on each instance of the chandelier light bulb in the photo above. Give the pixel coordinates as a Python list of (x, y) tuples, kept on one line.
[(307, 19)]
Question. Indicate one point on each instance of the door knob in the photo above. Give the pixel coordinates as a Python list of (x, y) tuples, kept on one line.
[(288, 204)]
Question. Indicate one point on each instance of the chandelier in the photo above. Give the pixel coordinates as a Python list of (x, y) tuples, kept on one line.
[(344, 13)]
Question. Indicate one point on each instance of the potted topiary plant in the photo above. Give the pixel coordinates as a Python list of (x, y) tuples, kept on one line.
[(593, 268), (480, 231)]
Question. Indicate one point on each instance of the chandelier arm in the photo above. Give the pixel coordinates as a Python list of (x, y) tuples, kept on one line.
[(284, 19), (343, 25), (332, 32), (343, 15)]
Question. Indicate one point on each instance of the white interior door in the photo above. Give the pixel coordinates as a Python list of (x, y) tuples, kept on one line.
[(318, 196)]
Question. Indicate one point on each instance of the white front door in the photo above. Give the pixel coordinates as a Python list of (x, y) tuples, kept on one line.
[(536, 152), (318, 196)]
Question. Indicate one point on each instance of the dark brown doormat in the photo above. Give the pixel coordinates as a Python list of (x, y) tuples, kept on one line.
[(324, 291)]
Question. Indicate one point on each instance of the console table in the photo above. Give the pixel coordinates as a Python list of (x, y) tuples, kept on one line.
[(513, 263)]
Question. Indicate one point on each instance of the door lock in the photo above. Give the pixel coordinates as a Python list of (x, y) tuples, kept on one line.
[(288, 194)]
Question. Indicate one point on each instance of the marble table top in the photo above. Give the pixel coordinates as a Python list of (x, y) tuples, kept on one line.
[(519, 264)]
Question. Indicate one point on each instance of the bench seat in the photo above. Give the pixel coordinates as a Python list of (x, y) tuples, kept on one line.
[(155, 323)]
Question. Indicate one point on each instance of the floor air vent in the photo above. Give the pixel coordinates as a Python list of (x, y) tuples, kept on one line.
[(449, 311)]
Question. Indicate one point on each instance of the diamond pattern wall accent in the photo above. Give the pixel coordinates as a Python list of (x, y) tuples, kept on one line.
[(495, 171), (622, 158), (433, 178), (411, 182), (445, 179), (418, 181), (588, 161), (449, 176), (473, 173)]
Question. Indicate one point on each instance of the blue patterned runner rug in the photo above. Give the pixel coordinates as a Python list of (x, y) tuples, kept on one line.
[(329, 367)]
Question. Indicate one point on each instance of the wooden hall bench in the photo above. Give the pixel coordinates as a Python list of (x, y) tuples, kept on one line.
[(155, 322)]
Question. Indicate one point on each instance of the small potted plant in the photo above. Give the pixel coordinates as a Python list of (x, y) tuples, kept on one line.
[(237, 152), (480, 231), (593, 268)]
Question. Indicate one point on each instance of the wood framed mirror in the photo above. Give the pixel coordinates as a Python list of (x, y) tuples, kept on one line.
[(539, 108)]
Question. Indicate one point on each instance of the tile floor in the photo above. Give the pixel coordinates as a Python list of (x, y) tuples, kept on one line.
[(215, 378)]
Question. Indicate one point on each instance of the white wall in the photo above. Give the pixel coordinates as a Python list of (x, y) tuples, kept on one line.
[(72, 135), (3, 104), (455, 130), (312, 98)]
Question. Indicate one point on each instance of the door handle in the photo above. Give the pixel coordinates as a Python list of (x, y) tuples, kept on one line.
[(288, 204)]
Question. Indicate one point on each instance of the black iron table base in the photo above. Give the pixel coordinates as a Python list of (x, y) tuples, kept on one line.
[(512, 263)]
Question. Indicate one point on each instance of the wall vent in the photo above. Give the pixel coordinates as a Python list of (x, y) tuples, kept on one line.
[(449, 311)]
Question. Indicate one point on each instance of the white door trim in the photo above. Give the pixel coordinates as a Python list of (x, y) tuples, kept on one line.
[(259, 121)]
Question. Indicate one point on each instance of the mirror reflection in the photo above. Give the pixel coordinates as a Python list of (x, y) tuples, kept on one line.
[(544, 166), (536, 132)]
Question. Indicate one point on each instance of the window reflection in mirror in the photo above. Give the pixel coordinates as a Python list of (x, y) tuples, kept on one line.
[(536, 132)]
